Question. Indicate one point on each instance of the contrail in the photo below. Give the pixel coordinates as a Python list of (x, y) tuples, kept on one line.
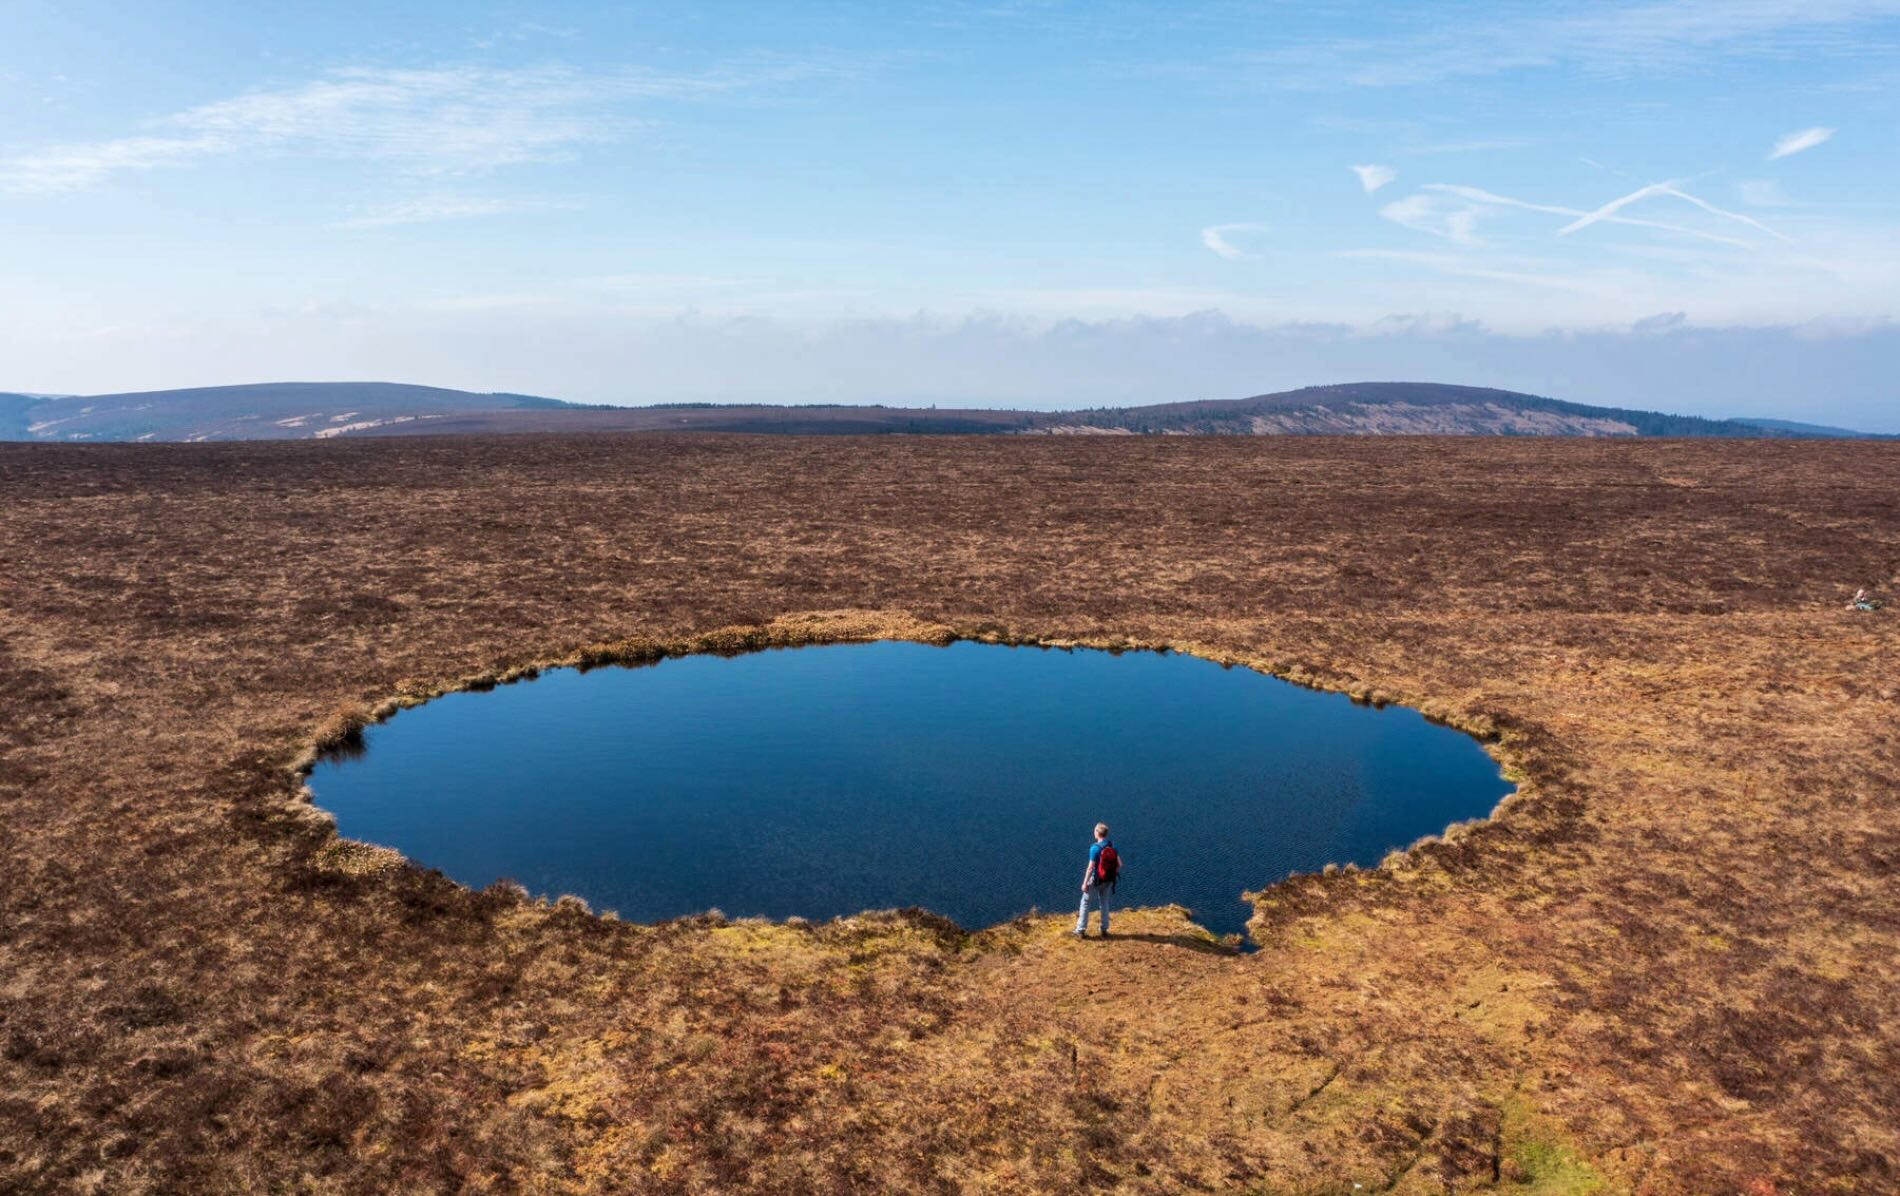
[(1709, 207), (1613, 207), (1608, 212), (1478, 195)]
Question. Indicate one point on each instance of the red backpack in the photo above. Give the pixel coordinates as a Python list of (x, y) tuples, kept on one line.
[(1108, 865)]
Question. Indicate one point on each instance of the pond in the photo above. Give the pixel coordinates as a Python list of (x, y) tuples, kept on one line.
[(824, 781)]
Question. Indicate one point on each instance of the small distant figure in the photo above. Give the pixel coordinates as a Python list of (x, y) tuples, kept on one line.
[(1098, 880), (1864, 601)]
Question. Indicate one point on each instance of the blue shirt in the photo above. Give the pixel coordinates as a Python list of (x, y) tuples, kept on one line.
[(1095, 856)]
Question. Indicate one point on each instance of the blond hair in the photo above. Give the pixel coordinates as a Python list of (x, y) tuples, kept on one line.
[(1101, 830)]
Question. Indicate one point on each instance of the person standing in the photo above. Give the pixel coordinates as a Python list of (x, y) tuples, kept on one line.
[(1098, 880)]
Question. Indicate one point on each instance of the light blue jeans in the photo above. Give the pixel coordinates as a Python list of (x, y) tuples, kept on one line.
[(1092, 896)]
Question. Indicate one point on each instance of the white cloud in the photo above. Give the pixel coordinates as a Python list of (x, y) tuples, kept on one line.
[(1214, 236), (1763, 193), (428, 209), (1660, 323), (1613, 39), (1374, 177), (65, 167), (1480, 195), (1420, 324), (1436, 215), (1472, 147), (1840, 328), (1805, 139), (1457, 265), (443, 121)]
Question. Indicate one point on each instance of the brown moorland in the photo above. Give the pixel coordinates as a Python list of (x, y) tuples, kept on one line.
[(1672, 964)]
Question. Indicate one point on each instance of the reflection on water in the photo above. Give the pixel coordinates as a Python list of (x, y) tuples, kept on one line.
[(825, 781)]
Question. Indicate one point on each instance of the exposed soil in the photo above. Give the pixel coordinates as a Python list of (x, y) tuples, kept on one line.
[(1672, 965)]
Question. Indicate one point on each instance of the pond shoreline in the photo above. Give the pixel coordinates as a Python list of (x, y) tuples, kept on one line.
[(342, 738)]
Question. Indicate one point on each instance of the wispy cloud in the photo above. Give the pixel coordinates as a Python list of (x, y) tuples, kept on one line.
[(1763, 193), (1479, 146), (429, 209), (1462, 266), (442, 120), (1614, 39), (66, 167), (1661, 323), (1724, 213), (1214, 236), (1608, 210), (1433, 211), (1436, 215), (1374, 177), (526, 31), (1480, 195), (1794, 143)]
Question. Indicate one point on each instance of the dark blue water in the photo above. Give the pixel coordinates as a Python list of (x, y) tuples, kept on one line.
[(825, 781)]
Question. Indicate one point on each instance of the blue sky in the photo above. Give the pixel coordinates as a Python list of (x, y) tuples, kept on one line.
[(1680, 204)]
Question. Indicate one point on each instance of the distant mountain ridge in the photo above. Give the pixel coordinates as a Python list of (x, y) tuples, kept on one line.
[(14, 418), (1399, 408), (324, 410), (257, 411), (1798, 428)]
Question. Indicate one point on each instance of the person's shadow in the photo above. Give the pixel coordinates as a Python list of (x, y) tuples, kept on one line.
[(1189, 941)]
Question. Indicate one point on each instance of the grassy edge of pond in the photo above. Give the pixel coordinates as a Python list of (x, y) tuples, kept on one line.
[(342, 730)]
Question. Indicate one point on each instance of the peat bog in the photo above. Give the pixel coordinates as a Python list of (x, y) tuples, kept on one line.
[(823, 781), (1671, 965)]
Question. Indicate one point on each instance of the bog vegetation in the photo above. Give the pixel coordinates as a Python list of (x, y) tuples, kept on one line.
[(1669, 966)]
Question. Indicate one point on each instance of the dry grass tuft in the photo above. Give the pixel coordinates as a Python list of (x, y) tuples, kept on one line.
[(358, 859), (342, 728)]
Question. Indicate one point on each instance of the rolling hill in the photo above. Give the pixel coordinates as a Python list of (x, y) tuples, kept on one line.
[(262, 411), (1395, 408), (1800, 429), (322, 410)]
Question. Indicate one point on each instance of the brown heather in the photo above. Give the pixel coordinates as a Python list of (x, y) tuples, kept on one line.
[(342, 729), (1672, 965)]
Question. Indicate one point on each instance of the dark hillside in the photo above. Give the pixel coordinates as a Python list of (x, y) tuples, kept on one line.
[(14, 416), (1825, 431), (1398, 408), (259, 411), (327, 410), (709, 417)]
